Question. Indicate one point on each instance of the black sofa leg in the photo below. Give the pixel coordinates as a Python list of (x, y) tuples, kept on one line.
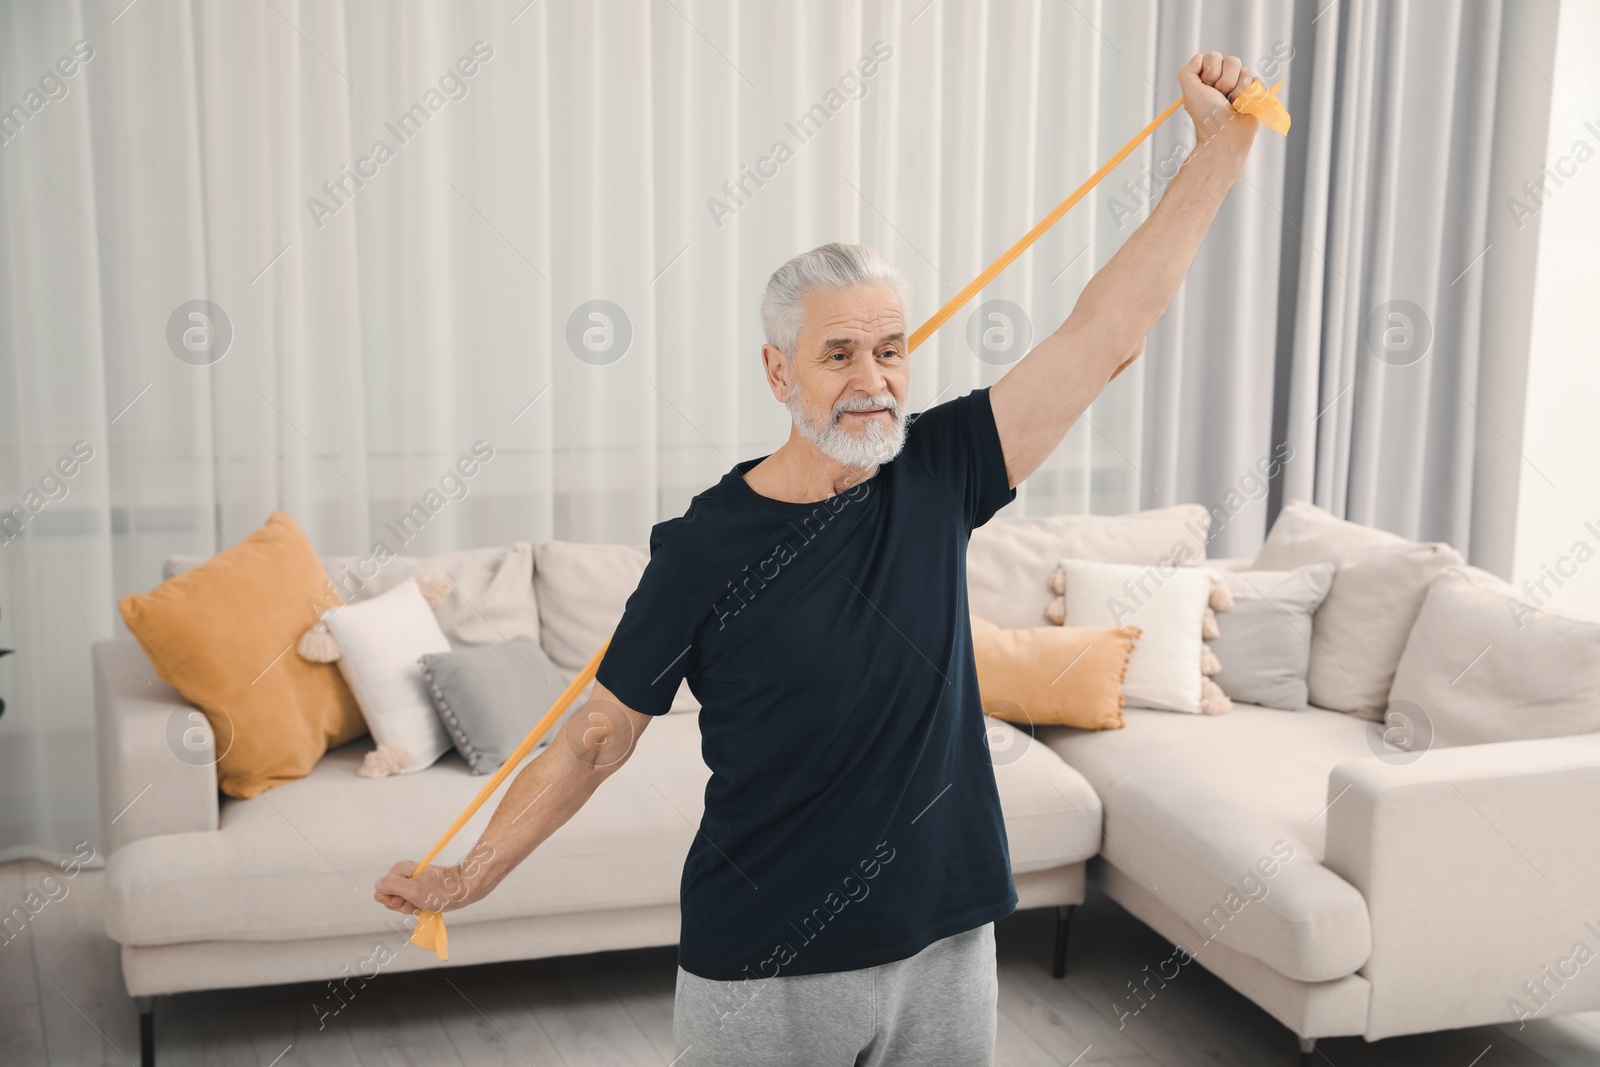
[(147, 1030), (1308, 1051), (1063, 923)]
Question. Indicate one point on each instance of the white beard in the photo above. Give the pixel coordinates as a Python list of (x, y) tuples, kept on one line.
[(865, 450)]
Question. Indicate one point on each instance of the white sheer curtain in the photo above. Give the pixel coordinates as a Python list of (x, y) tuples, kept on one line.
[(377, 335)]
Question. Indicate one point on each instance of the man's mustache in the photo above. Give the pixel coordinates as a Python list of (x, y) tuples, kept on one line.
[(862, 403)]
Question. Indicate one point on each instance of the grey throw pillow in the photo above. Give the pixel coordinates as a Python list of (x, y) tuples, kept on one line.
[(1361, 629), (1264, 642), (489, 697)]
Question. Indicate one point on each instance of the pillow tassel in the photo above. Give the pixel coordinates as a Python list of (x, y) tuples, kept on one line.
[(434, 590), (1209, 664), (1221, 596), (383, 761), (318, 645), (1058, 580), (1056, 613), (1208, 626), (1213, 701)]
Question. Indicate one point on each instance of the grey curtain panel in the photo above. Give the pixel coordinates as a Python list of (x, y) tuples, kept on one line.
[(1381, 379), (1330, 334)]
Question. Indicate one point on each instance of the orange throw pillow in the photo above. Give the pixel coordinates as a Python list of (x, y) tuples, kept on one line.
[(223, 635), (1053, 675)]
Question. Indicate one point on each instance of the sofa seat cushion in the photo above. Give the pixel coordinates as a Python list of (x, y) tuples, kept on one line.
[(1052, 815), (1199, 809), (300, 861)]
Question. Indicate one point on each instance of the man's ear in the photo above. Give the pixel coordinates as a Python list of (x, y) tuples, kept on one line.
[(777, 370)]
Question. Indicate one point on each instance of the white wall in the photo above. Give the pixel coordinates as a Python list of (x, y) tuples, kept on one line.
[(1558, 514)]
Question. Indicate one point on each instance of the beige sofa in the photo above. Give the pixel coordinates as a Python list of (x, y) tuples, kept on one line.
[(1404, 895), (206, 891)]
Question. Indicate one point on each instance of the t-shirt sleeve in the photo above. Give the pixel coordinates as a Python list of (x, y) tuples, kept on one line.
[(652, 649), (958, 445)]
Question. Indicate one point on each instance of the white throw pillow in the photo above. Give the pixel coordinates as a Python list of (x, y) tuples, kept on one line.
[(1483, 664), (1009, 560), (1168, 604), (1359, 632), (380, 642)]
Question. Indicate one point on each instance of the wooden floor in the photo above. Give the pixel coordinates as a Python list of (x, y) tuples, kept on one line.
[(62, 1003)]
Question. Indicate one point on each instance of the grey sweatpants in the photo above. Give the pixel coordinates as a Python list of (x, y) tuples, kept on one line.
[(934, 1009)]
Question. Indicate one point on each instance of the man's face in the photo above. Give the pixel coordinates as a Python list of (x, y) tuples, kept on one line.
[(850, 375)]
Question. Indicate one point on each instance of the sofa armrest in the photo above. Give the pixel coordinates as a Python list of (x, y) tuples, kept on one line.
[(145, 787), (1481, 877)]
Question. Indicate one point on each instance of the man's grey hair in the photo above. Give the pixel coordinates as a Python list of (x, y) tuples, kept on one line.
[(831, 266)]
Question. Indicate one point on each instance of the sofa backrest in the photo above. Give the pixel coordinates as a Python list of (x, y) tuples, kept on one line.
[(1009, 560)]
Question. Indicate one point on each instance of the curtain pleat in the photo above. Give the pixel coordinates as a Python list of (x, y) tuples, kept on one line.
[(1378, 383)]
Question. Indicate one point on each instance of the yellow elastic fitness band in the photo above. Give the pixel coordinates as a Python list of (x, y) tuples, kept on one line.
[(1257, 100)]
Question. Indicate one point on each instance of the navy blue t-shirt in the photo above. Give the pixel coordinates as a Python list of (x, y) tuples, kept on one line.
[(852, 816)]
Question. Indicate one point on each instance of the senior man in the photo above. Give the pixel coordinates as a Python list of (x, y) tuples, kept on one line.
[(838, 902)]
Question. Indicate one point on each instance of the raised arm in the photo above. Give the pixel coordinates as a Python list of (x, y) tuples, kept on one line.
[(1039, 399), (594, 741)]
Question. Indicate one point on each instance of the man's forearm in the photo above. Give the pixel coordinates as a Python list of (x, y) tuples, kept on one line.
[(1126, 297), (542, 797)]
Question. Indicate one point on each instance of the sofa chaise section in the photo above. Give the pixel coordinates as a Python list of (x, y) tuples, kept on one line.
[(1482, 881), (1426, 893), (1214, 837)]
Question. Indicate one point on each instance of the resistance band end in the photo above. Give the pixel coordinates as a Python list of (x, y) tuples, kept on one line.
[(1264, 104), (431, 934)]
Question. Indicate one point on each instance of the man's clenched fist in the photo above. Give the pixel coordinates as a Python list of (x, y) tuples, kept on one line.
[(436, 888), (1210, 83)]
